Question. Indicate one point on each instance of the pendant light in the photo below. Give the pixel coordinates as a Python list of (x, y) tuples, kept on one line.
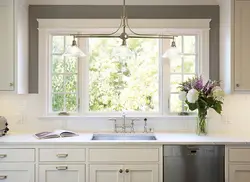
[(74, 50), (123, 49), (173, 52)]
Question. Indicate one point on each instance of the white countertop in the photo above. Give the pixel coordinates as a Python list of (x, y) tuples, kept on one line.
[(162, 138)]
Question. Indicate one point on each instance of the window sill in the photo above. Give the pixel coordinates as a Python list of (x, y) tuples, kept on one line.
[(105, 117)]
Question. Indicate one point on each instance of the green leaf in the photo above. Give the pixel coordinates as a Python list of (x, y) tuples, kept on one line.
[(191, 106), (217, 107)]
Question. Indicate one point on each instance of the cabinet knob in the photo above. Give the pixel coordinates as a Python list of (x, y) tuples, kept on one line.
[(237, 85), (11, 84), (3, 177), (3, 156), (127, 170), (120, 171)]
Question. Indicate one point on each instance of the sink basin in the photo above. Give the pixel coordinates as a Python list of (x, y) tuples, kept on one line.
[(123, 137)]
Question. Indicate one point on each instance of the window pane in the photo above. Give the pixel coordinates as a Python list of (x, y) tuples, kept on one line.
[(131, 84), (57, 102), (57, 83), (71, 84), (175, 103), (176, 65), (189, 44), (57, 64), (175, 80), (71, 102), (189, 64), (58, 44), (71, 65)]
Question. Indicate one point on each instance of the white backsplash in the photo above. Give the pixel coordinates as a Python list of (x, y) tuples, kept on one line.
[(22, 112)]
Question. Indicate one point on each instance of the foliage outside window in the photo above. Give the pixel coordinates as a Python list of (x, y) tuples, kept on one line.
[(117, 84)]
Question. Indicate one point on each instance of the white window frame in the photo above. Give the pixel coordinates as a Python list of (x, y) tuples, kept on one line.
[(48, 27)]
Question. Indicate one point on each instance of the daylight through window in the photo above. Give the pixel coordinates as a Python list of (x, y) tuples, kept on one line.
[(115, 84)]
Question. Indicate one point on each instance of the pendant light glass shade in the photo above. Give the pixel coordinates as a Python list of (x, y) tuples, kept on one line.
[(122, 51), (74, 51), (172, 52)]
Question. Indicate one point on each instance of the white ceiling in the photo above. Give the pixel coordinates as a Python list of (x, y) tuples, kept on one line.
[(119, 2)]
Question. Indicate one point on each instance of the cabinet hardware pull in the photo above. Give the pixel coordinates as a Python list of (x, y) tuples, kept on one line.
[(61, 168), (127, 170), (3, 177), (237, 85), (11, 84), (3, 156), (120, 171), (62, 155)]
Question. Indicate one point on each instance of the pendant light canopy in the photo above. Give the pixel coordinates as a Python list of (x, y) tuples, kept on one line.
[(123, 49)]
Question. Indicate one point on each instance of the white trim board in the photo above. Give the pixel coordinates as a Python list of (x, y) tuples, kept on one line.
[(114, 23), (119, 2)]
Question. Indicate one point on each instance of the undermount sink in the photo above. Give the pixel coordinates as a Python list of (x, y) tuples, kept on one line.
[(123, 137)]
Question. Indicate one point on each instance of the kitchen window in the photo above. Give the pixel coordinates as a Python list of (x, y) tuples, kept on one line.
[(116, 84), (102, 83)]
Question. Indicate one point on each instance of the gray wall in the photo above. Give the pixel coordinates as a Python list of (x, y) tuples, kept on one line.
[(109, 12)]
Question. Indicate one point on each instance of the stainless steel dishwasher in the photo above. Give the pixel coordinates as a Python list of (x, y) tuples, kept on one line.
[(196, 163)]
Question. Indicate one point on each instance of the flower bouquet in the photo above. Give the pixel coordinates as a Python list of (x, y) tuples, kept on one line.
[(202, 97)]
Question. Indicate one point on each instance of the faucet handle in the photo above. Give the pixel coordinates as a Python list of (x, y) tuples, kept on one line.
[(135, 119), (115, 125), (133, 124)]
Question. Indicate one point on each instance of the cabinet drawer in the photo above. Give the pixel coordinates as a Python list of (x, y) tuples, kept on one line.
[(18, 172), (239, 155), (17, 155), (123, 155), (57, 155)]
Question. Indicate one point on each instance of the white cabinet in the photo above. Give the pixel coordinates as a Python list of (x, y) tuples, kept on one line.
[(145, 173), (124, 173), (242, 46), (239, 173), (14, 46), (7, 45), (106, 173), (67, 163), (17, 172), (237, 164), (62, 173)]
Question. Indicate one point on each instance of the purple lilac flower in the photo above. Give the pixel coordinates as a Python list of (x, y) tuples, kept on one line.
[(198, 83)]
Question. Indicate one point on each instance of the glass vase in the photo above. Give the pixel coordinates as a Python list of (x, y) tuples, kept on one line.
[(201, 128)]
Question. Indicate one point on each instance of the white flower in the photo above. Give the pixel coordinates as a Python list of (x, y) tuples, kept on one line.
[(192, 95), (218, 93), (182, 95)]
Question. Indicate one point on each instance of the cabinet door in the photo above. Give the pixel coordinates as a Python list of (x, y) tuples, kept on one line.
[(17, 172), (242, 46), (6, 45), (106, 173), (139, 173), (61, 173), (239, 173)]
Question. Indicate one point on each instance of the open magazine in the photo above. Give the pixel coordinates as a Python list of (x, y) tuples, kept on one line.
[(55, 134)]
